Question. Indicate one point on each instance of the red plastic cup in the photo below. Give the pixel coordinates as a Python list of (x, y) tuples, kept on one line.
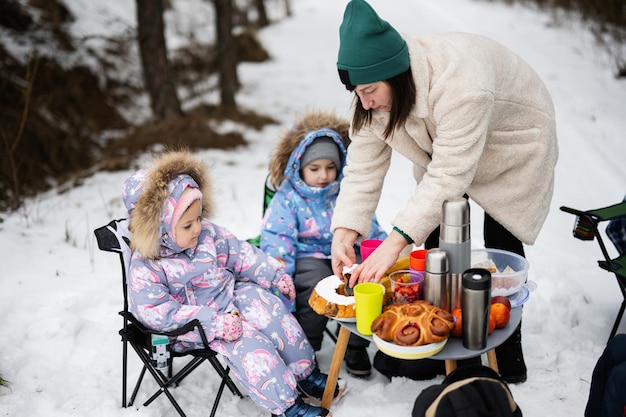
[(368, 246), (417, 259)]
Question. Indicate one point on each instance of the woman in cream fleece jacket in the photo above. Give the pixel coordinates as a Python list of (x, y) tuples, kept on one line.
[(482, 124), (473, 118)]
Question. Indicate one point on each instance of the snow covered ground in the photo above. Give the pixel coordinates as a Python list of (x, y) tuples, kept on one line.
[(60, 295)]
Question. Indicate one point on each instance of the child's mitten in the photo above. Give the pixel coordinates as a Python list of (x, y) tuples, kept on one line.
[(285, 286), (228, 327)]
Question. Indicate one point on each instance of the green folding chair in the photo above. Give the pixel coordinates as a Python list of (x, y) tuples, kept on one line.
[(268, 193), (586, 228)]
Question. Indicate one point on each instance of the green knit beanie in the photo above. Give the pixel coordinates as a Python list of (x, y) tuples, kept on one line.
[(370, 49)]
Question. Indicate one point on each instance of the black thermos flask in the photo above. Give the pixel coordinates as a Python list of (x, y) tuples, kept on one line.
[(476, 300)]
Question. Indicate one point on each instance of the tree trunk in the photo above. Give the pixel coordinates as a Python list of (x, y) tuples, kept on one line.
[(262, 19), (163, 98), (226, 52), (288, 8)]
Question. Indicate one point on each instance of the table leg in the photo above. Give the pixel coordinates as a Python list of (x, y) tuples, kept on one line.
[(335, 366), (492, 360), (450, 365)]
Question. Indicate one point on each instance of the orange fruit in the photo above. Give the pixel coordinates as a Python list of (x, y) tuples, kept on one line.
[(492, 323), (501, 314), (501, 299), (457, 330)]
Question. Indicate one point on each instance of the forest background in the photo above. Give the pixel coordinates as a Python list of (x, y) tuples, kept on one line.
[(71, 106)]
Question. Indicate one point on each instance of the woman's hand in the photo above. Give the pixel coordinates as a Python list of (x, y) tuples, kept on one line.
[(342, 251), (378, 263)]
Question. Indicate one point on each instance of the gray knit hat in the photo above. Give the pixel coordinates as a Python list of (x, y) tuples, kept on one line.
[(323, 147)]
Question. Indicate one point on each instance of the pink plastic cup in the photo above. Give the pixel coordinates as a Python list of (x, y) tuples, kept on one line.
[(368, 246)]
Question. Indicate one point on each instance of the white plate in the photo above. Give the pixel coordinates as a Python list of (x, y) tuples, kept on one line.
[(345, 320), (408, 352), (519, 297)]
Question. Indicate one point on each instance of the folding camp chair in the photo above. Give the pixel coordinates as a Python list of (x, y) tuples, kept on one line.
[(153, 347), (586, 228)]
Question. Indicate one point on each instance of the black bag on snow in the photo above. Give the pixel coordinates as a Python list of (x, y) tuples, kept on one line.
[(469, 391)]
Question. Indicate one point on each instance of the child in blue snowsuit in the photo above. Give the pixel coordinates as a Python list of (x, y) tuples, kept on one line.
[(306, 168), (185, 267)]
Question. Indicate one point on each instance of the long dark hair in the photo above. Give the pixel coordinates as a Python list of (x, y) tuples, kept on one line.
[(403, 93)]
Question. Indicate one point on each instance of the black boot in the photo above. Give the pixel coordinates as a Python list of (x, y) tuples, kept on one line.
[(419, 370), (475, 361), (358, 362), (511, 358), (313, 386), (302, 409)]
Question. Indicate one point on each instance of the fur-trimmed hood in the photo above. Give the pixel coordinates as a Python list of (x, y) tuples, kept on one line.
[(151, 194), (309, 121)]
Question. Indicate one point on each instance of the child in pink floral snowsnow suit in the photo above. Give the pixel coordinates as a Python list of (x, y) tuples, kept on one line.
[(184, 267)]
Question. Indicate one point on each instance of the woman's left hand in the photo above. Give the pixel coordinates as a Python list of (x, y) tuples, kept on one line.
[(374, 268), (342, 250)]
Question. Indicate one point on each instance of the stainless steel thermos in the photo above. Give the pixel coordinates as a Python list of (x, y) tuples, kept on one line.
[(476, 300), (436, 277), (454, 238)]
